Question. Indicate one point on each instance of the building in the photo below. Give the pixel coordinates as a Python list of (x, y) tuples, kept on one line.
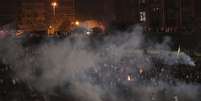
[(32, 16), (38, 15), (127, 12), (64, 14), (160, 15), (155, 15)]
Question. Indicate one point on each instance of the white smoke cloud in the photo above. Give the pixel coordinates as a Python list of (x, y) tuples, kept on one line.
[(74, 61)]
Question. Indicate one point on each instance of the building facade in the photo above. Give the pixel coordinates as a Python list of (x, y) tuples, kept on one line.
[(160, 15), (155, 15), (38, 15), (32, 16)]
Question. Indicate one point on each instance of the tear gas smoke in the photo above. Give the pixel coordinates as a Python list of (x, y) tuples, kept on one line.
[(101, 73)]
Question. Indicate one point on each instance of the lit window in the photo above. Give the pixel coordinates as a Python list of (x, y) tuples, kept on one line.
[(143, 16)]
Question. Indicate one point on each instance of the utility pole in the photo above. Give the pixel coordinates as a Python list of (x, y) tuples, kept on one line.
[(54, 5)]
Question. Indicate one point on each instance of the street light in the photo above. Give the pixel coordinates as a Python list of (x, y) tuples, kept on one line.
[(54, 4), (77, 23)]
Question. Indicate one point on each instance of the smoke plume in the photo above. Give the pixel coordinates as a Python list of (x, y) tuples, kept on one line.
[(100, 73)]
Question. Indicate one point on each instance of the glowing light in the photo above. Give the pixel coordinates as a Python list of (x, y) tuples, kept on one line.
[(19, 33), (90, 24), (50, 26), (141, 70), (51, 31), (88, 33), (129, 77), (54, 4), (77, 23)]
